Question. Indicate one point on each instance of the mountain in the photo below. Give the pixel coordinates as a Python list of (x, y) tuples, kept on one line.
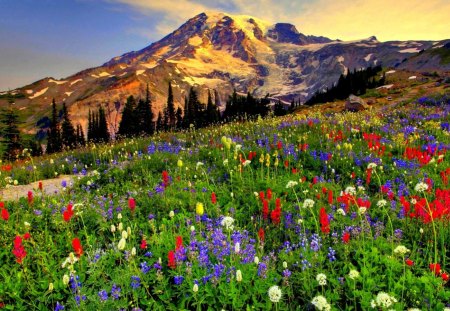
[(222, 52)]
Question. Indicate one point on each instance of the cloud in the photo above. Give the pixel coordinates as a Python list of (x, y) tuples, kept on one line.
[(344, 19)]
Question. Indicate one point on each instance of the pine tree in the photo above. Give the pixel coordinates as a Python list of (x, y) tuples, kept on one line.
[(11, 133), (80, 136), (90, 123), (193, 107), (159, 122), (54, 143), (211, 111), (103, 134), (127, 126), (171, 118), (67, 130), (179, 116), (186, 113)]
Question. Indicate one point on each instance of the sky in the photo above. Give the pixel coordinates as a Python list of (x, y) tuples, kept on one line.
[(57, 38)]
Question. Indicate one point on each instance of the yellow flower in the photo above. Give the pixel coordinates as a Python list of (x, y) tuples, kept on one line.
[(179, 163), (199, 209)]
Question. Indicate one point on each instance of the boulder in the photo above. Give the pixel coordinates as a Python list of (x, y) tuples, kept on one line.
[(355, 103)]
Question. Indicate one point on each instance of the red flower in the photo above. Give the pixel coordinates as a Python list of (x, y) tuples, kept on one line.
[(40, 185), (409, 262), (178, 242), (30, 197), (275, 215), (213, 198), (165, 178), (5, 214), (261, 234), (324, 222), (131, 204), (19, 250), (369, 175), (436, 268), (77, 248), (68, 213), (26, 236), (444, 276), (279, 145), (261, 196), (143, 244), (346, 237), (330, 196), (265, 210), (171, 257), (269, 194), (278, 203)]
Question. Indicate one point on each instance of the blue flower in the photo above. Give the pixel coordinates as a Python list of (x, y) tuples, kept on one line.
[(103, 295), (135, 282), (115, 292), (59, 307)]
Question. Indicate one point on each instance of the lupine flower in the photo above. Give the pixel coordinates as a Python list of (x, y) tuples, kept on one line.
[(77, 248), (135, 282)]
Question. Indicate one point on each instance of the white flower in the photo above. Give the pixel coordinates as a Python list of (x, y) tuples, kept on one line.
[(225, 162), (362, 210), (401, 250), (421, 187), (133, 251), (285, 264), (421, 230), (199, 164), (340, 211), (171, 214), (66, 279), (413, 201), (129, 231), (246, 162), (120, 227), (353, 274), (113, 228), (192, 228), (382, 203), (371, 165), (27, 224), (237, 247), (291, 184), (122, 243), (321, 303), (227, 222), (308, 203), (119, 216), (195, 288), (383, 300), (361, 189), (415, 309), (124, 234), (238, 275), (350, 190), (256, 260), (322, 279), (274, 293)]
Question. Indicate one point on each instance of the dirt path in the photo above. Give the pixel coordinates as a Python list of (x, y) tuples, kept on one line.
[(49, 186)]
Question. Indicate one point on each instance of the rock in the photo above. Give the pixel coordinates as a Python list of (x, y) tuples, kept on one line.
[(355, 103)]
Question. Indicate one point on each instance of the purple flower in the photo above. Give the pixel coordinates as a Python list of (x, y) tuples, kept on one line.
[(178, 279), (103, 295), (59, 306), (115, 292), (135, 282)]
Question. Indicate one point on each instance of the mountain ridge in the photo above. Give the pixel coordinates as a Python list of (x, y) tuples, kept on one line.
[(223, 52)]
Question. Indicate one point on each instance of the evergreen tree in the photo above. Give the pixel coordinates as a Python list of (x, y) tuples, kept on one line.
[(80, 135), (90, 127), (67, 130), (127, 126), (10, 133), (171, 118), (179, 116), (193, 107), (186, 113), (103, 133), (54, 143), (159, 123), (211, 111)]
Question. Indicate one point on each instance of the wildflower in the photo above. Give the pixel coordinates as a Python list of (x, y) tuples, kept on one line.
[(346, 237), (237, 247), (178, 242), (371, 165), (256, 260), (68, 213), (171, 214), (103, 295), (274, 293), (324, 222), (436, 268), (77, 248), (238, 275), (353, 274), (30, 197), (265, 210), (321, 303), (5, 214), (119, 216), (444, 277), (291, 184), (261, 234), (308, 203), (383, 300), (199, 209), (26, 236), (213, 198), (322, 279), (275, 215), (350, 190), (133, 251), (340, 211), (59, 307), (124, 234), (121, 245), (135, 282), (179, 163), (401, 250), (362, 210), (171, 260), (409, 262), (113, 228), (227, 223), (382, 203), (178, 279), (421, 187), (66, 279), (131, 204), (143, 244)]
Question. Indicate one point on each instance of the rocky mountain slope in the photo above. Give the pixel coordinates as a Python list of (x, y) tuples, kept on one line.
[(222, 52)]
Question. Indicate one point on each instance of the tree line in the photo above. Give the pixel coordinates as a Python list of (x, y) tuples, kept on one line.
[(356, 82)]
